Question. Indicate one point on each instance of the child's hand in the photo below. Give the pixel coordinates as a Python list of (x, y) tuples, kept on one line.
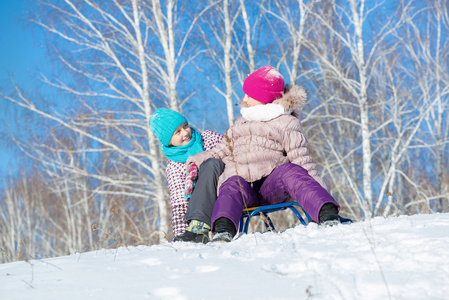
[(189, 163), (192, 175)]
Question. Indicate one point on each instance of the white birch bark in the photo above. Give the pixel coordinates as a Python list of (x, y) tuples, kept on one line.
[(158, 175), (440, 105), (249, 45), (358, 16), (227, 62), (165, 32)]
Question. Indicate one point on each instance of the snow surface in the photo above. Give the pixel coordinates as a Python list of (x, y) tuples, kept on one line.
[(395, 258)]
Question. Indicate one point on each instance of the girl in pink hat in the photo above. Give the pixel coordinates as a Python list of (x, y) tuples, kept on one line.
[(266, 157)]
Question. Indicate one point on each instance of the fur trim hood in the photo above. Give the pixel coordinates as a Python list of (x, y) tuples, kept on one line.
[(293, 100)]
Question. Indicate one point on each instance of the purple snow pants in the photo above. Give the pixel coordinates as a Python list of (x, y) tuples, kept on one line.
[(288, 180)]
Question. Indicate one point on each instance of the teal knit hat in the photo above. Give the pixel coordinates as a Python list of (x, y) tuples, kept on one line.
[(164, 122)]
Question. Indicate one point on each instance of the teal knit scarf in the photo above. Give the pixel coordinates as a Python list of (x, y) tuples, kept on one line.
[(181, 153)]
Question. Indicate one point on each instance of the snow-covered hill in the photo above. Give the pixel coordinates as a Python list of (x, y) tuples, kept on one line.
[(395, 258)]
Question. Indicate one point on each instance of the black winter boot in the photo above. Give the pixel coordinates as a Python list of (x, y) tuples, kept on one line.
[(329, 215), (188, 236), (224, 230)]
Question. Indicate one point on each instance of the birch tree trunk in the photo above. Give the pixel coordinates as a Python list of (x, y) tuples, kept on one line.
[(358, 17), (227, 62), (249, 45), (441, 107), (153, 155), (166, 35)]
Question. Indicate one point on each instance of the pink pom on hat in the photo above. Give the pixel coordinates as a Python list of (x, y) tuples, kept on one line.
[(265, 85)]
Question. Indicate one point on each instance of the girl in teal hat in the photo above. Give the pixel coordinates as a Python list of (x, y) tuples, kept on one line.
[(191, 210)]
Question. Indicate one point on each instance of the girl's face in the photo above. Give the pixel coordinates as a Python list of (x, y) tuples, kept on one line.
[(251, 101), (181, 136)]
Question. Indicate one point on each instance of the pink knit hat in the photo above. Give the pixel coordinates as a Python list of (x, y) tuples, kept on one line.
[(265, 85)]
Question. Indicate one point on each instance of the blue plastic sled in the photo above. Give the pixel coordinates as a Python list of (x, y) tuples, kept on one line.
[(248, 213)]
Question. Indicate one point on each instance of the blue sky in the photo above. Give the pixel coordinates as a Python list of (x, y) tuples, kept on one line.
[(22, 55)]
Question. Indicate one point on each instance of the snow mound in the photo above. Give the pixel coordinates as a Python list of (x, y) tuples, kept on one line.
[(395, 258)]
